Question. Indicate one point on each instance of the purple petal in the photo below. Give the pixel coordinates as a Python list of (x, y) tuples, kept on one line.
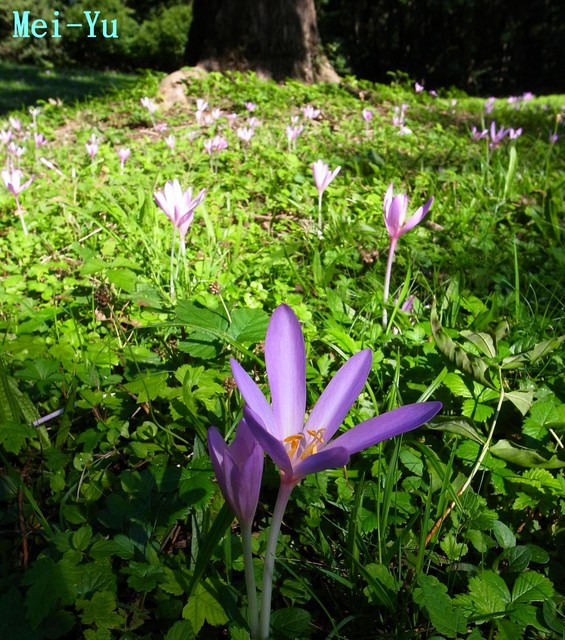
[(285, 358), (272, 446), (417, 217), (387, 425), (254, 398), (394, 218), (326, 459), (336, 400), (217, 448)]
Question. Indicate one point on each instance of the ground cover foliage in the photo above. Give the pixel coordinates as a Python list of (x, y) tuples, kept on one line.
[(112, 524)]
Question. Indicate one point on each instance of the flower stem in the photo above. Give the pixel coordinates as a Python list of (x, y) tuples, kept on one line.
[(172, 276), (250, 579), (387, 279), (320, 211), (21, 214), (282, 499)]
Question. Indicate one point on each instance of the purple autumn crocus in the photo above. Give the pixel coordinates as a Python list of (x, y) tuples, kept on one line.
[(395, 210), (239, 470), (178, 206), (322, 179), (299, 448), (13, 180), (496, 135)]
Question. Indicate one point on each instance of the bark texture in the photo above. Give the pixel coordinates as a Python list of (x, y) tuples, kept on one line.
[(278, 39)]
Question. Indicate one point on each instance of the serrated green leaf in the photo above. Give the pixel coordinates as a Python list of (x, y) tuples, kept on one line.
[(453, 550), (101, 610), (181, 630), (489, 593), (148, 387), (202, 606), (248, 325), (532, 587), (431, 595)]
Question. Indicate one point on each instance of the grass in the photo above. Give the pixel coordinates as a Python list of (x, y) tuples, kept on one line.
[(112, 523)]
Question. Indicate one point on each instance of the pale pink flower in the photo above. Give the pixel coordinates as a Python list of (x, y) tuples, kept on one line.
[(367, 115), (478, 135), (323, 176), (250, 106), (179, 205), (310, 112), (6, 135), (553, 138), (91, 149), (13, 181), (489, 105), (15, 123), (39, 139), (215, 144), (161, 127), (149, 105), (216, 113), (395, 209), (514, 133), (170, 141), (15, 150), (245, 133), (123, 155), (418, 88), (292, 133), (253, 122)]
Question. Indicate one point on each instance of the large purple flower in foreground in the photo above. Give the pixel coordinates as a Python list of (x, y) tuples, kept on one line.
[(238, 469), (297, 448)]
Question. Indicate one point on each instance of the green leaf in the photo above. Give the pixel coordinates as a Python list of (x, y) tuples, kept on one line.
[(542, 413), (290, 622), (503, 535), (483, 342), (462, 426), (522, 400), (431, 595), (123, 279), (202, 606), (532, 587), (524, 457), (101, 610), (148, 387), (248, 325), (468, 363), (488, 596), (14, 436), (453, 550), (181, 630)]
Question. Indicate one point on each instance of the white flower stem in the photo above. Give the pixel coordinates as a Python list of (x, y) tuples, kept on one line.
[(320, 211), (387, 279), (282, 499), (250, 579), (21, 214), (172, 276)]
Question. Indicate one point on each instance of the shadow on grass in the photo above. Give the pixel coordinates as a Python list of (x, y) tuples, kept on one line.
[(23, 85)]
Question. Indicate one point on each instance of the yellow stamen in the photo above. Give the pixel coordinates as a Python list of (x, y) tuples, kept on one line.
[(312, 448), (293, 441)]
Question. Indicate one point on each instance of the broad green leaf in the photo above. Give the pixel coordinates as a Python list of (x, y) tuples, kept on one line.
[(524, 457), (181, 630), (489, 594), (468, 363), (503, 535), (290, 622), (483, 342), (462, 426), (248, 325), (532, 587), (453, 550), (522, 400), (542, 413)]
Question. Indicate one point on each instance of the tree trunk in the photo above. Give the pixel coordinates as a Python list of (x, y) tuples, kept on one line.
[(276, 38)]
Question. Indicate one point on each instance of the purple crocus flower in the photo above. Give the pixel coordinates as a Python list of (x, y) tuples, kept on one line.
[(395, 208), (323, 176), (179, 206), (13, 181), (496, 135), (123, 154), (367, 115), (238, 469), (299, 449)]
